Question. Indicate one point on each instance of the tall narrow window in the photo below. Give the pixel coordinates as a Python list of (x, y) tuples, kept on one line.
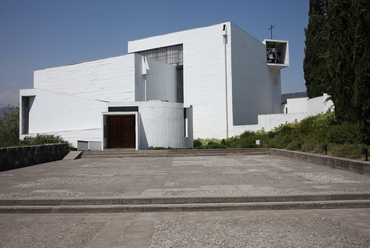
[(180, 83), (186, 124), (25, 114)]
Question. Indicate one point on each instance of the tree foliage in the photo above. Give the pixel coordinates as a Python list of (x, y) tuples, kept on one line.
[(9, 132), (336, 58), (9, 127), (315, 50)]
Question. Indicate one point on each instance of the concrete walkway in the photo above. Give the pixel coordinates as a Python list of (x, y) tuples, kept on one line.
[(204, 201)]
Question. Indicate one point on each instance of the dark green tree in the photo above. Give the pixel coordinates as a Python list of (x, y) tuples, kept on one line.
[(337, 58), (349, 67), (339, 63), (361, 54), (314, 64), (9, 127)]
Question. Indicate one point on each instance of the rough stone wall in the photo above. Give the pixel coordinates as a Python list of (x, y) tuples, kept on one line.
[(17, 157)]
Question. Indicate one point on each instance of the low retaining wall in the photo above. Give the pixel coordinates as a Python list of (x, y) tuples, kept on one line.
[(22, 156), (356, 166)]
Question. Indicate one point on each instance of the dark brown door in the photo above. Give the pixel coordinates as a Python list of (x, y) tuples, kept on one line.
[(121, 132)]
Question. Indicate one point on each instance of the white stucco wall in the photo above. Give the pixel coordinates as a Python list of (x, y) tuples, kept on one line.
[(159, 124), (204, 74), (269, 122), (251, 87), (73, 118), (110, 79), (163, 124), (256, 88), (159, 80), (320, 103), (296, 105), (298, 109), (312, 105)]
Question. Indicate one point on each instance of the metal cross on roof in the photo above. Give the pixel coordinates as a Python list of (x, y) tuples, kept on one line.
[(271, 27)]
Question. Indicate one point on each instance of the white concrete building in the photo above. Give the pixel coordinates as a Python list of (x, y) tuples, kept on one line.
[(104, 101), (224, 76), (295, 109)]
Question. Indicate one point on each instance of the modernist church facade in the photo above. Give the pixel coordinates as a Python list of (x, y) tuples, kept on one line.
[(207, 82)]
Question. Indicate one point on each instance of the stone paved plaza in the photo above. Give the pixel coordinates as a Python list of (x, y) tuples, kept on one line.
[(171, 177)]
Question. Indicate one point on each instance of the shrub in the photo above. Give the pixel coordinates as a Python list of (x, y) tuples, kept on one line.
[(197, 143), (295, 144), (213, 145), (352, 151), (312, 134), (41, 139), (344, 133)]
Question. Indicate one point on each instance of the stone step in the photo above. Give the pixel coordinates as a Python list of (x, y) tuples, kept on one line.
[(170, 204), (250, 206), (171, 153), (184, 200)]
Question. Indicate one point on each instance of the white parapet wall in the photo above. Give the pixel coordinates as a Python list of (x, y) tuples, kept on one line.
[(298, 109), (70, 117)]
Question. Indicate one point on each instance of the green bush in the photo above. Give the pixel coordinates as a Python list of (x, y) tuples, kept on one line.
[(295, 144), (213, 145), (41, 139), (197, 143), (308, 135), (352, 151), (344, 133)]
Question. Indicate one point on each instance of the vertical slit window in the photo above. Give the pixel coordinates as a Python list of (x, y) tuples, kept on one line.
[(25, 114), (186, 125)]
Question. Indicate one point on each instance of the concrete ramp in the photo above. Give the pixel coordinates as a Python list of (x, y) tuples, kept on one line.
[(73, 155)]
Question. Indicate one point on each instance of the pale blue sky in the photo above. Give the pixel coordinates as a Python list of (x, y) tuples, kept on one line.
[(39, 34)]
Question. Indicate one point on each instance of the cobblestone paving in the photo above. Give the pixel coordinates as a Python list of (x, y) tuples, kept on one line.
[(268, 232), (281, 228), (46, 234), (179, 176), (183, 176)]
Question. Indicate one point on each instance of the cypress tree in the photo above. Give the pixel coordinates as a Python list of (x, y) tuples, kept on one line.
[(315, 49), (339, 62), (361, 60), (337, 58)]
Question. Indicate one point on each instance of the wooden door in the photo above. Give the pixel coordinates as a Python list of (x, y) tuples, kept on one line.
[(121, 132)]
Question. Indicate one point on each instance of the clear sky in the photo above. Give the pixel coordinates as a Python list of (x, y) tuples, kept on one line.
[(39, 34)]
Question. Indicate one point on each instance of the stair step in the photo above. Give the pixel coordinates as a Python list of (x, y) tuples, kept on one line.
[(171, 153), (185, 200), (250, 206)]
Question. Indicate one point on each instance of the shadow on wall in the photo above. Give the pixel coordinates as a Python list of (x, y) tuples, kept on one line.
[(143, 141)]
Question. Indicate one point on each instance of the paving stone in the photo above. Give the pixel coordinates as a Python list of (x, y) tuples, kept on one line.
[(234, 175), (268, 232)]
